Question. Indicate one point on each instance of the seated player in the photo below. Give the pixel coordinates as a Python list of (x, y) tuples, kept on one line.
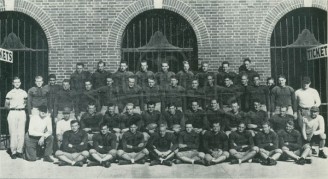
[(278, 121), (150, 116), (39, 136), (104, 147), (255, 118), (267, 141), (188, 146), (234, 117), (313, 130), (242, 145), (90, 121), (161, 147), (215, 144), (74, 147), (63, 125), (134, 150), (215, 114), (197, 118), (114, 122), (173, 117), (290, 141)]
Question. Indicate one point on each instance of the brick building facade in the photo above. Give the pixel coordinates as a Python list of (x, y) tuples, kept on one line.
[(88, 31)]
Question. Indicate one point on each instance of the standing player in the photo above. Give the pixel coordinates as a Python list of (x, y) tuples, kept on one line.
[(53, 90), (224, 71), (284, 95), (98, 78), (185, 76), (37, 96), (245, 69), (267, 140), (153, 92), (163, 77), (215, 144), (78, 78), (108, 95), (104, 147), (174, 93), (242, 145), (306, 97), (144, 75), (202, 74), (16, 102)]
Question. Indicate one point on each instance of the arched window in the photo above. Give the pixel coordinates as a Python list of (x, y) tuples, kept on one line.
[(158, 35), (25, 37), (297, 31)]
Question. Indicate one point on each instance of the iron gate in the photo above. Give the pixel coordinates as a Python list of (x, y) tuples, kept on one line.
[(157, 35), (25, 37), (293, 34)]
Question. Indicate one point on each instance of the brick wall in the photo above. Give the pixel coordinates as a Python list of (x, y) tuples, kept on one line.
[(88, 31)]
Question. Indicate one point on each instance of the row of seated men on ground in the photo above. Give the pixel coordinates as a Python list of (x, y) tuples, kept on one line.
[(194, 136), (163, 87)]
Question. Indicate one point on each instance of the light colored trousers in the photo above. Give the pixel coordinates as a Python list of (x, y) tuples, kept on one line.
[(16, 124)]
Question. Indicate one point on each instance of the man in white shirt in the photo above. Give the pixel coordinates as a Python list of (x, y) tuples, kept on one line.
[(63, 125), (313, 130), (16, 101), (306, 97), (39, 136)]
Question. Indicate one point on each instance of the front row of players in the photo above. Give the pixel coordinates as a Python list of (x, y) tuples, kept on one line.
[(164, 146)]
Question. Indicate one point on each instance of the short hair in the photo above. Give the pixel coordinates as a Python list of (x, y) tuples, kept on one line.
[(111, 105), (210, 75), (256, 76), (243, 76), (66, 81), (233, 102), (144, 61), (270, 78), (16, 78), (282, 76), (195, 79), (151, 78), (132, 77), (162, 125), (80, 64), (43, 108), (188, 123), (38, 77), (129, 104), (266, 123), (283, 107), (123, 61), (165, 62), (91, 103), (109, 76), (213, 99), (174, 77), (133, 122), (87, 80), (247, 59), (256, 101), (225, 62), (185, 62), (216, 121), (242, 122), (101, 62), (195, 101), (52, 76), (203, 63), (150, 103), (290, 122), (75, 121), (103, 124), (171, 104), (227, 76)]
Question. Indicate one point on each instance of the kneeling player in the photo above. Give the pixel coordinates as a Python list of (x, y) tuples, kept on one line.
[(267, 141), (161, 147), (242, 145), (290, 141), (74, 146), (104, 147), (133, 147), (215, 145), (188, 146)]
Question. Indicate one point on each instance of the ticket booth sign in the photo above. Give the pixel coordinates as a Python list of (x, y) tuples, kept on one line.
[(317, 52), (6, 55)]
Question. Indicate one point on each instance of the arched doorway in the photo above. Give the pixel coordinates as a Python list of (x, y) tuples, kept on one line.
[(25, 37), (295, 32), (158, 35)]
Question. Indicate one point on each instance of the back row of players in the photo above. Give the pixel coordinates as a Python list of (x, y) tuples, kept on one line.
[(209, 104)]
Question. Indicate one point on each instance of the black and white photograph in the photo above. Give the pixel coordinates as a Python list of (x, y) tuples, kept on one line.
[(163, 89)]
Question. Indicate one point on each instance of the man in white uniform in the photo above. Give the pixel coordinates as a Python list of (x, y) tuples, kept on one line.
[(63, 125), (306, 97), (16, 102), (313, 130)]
